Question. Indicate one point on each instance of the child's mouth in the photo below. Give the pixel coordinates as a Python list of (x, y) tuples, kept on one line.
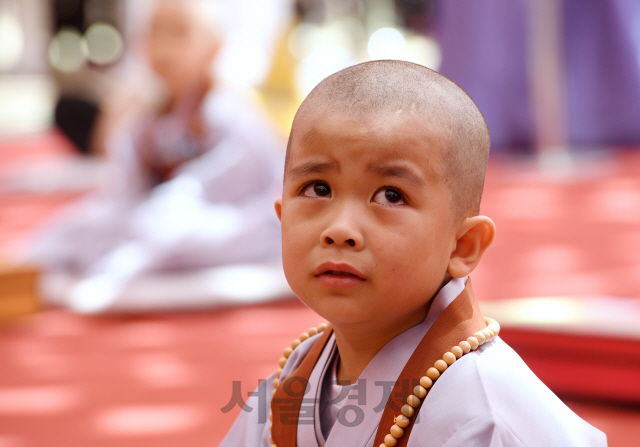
[(338, 273), (339, 278)]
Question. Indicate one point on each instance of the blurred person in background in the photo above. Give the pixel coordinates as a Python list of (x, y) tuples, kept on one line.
[(193, 180)]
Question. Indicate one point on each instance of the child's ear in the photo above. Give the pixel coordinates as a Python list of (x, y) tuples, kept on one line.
[(473, 238), (278, 207)]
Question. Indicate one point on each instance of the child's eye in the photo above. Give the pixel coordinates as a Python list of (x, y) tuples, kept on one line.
[(316, 189), (388, 196)]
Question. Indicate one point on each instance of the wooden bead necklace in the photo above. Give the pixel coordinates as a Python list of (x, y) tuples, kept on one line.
[(283, 360), (402, 421)]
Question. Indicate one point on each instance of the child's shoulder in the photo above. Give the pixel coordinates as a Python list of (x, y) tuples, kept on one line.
[(491, 393)]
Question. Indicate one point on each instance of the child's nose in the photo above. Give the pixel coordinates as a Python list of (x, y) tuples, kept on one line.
[(343, 232), (330, 241)]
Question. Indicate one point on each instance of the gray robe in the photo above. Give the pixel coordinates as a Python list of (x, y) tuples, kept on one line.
[(487, 398), (215, 210)]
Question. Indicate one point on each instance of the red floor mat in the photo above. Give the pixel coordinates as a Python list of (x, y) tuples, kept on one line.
[(162, 380)]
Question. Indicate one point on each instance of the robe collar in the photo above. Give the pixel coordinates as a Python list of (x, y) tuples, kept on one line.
[(370, 395)]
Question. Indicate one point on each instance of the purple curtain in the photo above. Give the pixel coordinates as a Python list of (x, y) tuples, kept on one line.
[(484, 51)]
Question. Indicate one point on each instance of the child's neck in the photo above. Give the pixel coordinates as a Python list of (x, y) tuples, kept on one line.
[(189, 97), (357, 346)]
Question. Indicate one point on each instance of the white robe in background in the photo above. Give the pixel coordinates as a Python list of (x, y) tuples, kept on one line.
[(215, 210), (489, 397)]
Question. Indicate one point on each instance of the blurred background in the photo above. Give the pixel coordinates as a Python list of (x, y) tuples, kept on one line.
[(136, 134)]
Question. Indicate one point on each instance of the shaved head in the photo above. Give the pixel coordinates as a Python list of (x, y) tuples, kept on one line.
[(389, 87)]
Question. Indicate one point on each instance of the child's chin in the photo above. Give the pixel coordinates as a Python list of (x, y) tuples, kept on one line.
[(340, 313)]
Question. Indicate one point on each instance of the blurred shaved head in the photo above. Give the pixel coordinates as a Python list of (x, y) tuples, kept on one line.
[(383, 88)]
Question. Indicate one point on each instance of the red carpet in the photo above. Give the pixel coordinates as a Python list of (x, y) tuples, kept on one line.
[(161, 380), (572, 236)]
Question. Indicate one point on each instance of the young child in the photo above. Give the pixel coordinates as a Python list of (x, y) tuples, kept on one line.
[(192, 184), (380, 226)]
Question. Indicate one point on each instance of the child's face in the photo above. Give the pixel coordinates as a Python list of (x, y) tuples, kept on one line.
[(367, 225), (179, 47)]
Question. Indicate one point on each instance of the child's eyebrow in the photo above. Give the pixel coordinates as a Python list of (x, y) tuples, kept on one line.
[(390, 170), (313, 166)]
